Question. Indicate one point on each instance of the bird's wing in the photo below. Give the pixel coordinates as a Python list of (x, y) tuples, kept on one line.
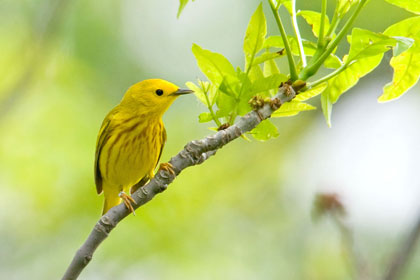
[(102, 136), (146, 178), (163, 144)]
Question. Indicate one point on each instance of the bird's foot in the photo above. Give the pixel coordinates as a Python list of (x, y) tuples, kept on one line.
[(166, 166), (128, 201)]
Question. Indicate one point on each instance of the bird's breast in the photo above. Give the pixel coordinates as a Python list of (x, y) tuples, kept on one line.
[(131, 153)]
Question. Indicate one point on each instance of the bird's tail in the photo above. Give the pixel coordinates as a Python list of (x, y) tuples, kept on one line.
[(111, 199)]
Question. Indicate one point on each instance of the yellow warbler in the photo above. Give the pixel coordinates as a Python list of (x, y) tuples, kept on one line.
[(131, 140)]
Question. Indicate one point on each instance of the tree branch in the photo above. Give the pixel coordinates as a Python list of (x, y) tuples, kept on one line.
[(402, 256), (195, 152)]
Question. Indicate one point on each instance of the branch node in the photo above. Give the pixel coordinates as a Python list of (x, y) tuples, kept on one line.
[(165, 174), (223, 126), (275, 104), (99, 227), (87, 259), (194, 148), (288, 90), (184, 154), (144, 191), (256, 102)]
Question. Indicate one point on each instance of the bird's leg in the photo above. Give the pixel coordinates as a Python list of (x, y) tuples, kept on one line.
[(166, 166), (128, 201)]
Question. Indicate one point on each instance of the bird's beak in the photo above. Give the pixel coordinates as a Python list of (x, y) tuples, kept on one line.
[(182, 91)]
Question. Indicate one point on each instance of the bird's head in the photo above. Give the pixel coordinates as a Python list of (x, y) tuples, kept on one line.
[(152, 96)]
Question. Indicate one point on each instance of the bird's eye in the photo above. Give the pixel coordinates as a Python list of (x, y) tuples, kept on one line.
[(159, 92)]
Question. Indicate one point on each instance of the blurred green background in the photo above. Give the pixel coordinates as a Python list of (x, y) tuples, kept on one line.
[(245, 213)]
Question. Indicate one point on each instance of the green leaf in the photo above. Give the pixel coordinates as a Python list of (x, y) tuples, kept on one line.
[(292, 108), (201, 91), (246, 94), (230, 86), (267, 83), (326, 105), (403, 44), (225, 103), (351, 75), (273, 42), (346, 80), (270, 68), (198, 92), (332, 62), (410, 5), (212, 92), (344, 6), (255, 34), (265, 131), (214, 65), (277, 42), (267, 56), (309, 47), (406, 74), (407, 64), (406, 28), (182, 4), (314, 20), (287, 4), (255, 73), (302, 96), (365, 43), (205, 117)]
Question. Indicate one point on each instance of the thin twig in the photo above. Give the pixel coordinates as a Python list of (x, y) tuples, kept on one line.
[(402, 257), (195, 152), (313, 68), (322, 24), (358, 266), (292, 65), (329, 76), (297, 32)]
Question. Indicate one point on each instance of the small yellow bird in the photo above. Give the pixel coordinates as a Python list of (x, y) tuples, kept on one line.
[(131, 140)]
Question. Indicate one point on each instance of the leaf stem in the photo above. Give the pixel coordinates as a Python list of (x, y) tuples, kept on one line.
[(322, 24), (334, 23), (209, 106), (297, 32), (329, 76), (278, 4), (292, 66), (313, 68)]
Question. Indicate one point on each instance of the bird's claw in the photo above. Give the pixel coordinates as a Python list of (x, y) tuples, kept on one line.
[(128, 202), (166, 166)]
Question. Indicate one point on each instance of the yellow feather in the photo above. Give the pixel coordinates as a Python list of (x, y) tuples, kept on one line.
[(131, 139)]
